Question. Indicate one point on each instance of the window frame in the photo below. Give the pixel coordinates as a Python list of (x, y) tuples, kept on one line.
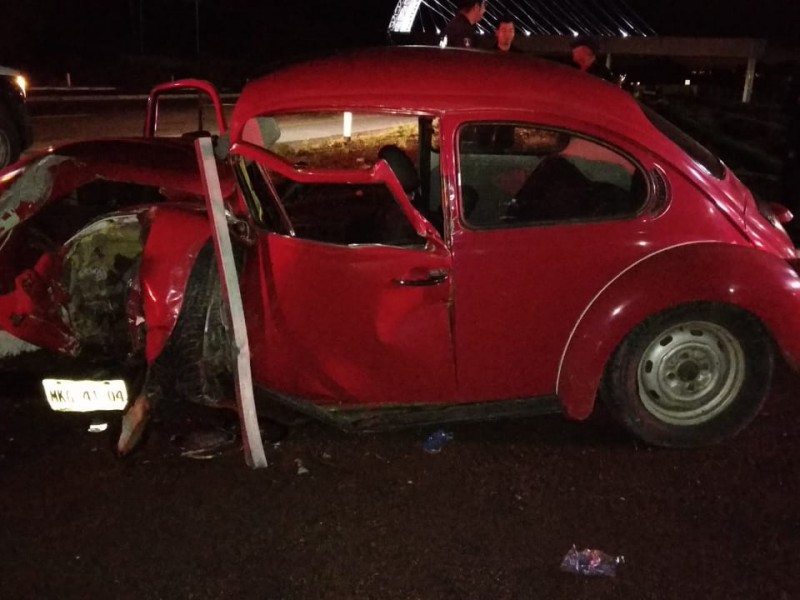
[(380, 174)]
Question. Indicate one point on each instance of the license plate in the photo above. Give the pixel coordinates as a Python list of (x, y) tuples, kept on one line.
[(69, 395)]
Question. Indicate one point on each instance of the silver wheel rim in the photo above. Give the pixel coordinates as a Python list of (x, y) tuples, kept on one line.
[(5, 149), (691, 373)]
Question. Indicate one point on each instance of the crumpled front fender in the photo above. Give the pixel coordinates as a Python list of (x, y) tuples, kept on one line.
[(176, 235)]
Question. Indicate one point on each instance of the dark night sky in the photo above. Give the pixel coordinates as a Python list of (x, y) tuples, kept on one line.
[(37, 28), (54, 34), (722, 18)]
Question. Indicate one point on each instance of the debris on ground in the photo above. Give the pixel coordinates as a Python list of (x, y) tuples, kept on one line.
[(301, 470), (591, 562), (436, 441), (97, 426), (204, 445)]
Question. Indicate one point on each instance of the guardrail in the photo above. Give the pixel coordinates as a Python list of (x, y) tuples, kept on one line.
[(99, 94)]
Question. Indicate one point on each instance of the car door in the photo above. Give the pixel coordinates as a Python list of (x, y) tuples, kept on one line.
[(348, 297), (545, 216)]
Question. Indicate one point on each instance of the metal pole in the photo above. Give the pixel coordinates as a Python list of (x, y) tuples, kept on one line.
[(749, 80)]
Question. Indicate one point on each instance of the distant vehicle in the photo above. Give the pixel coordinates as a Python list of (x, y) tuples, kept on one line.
[(423, 235), (15, 124)]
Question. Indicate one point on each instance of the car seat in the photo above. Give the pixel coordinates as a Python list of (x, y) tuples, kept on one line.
[(406, 173), (554, 190)]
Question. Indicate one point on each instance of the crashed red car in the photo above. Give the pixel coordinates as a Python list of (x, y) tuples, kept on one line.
[(422, 235)]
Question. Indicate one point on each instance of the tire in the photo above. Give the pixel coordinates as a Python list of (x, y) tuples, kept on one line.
[(10, 142), (196, 363), (690, 376)]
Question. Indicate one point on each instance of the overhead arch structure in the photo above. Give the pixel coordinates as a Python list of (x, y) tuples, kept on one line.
[(602, 18)]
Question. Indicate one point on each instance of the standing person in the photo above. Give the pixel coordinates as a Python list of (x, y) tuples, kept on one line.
[(461, 31), (504, 34), (585, 52)]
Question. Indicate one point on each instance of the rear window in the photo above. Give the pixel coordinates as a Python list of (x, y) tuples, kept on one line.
[(704, 157)]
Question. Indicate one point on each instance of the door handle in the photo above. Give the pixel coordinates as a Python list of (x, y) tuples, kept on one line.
[(433, 278)]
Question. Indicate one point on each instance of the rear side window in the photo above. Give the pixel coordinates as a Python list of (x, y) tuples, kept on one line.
[(701, 155), (518, 175)]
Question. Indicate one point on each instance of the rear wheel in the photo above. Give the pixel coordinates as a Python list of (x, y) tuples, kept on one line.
[(690, 376)]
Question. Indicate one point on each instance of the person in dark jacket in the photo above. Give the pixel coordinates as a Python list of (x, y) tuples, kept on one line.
[(585, 51), (461, 32)]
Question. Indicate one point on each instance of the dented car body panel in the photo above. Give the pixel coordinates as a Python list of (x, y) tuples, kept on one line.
[(77, 218), (516, 258), (176, 235), (369, 323)]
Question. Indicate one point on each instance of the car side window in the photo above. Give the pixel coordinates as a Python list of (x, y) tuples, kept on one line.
[(331, 211), (341, 213), (514, 175), (335, 213)]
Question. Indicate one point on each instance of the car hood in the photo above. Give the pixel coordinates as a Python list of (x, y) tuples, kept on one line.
[(168, 164)]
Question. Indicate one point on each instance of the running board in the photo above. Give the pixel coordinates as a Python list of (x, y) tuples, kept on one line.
[(400, 417)]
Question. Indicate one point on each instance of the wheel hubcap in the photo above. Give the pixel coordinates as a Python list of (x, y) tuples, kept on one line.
[(691, 373)]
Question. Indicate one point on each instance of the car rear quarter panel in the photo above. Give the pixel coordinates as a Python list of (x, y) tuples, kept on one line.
[(755, 281), (520, 290)]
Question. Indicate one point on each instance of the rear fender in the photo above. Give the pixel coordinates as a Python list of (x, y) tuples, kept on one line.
[(175, 238), (755, 281)]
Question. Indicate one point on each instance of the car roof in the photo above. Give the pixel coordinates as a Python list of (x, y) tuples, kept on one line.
[(432, 79)]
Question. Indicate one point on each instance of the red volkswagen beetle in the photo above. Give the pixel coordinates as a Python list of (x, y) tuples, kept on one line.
[(422, 235)]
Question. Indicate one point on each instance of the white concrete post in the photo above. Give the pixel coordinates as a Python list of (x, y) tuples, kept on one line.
[(245, 400)]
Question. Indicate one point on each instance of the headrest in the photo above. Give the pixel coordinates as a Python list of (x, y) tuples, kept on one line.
[(402, 166)]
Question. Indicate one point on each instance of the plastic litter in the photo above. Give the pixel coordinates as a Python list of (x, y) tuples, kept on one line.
[(591, 562), (301, 470), (436, 441), (97, 425)]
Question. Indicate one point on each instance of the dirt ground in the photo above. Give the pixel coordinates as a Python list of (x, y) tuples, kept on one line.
[(491, 516)]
